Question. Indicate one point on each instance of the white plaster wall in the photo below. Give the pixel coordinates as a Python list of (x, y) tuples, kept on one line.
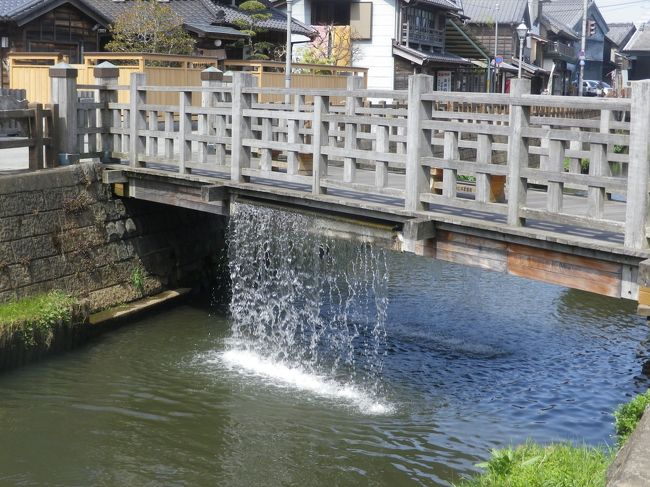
[(377, 54)]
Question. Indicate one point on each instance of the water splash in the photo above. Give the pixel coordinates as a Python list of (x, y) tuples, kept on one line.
[(306, 304)]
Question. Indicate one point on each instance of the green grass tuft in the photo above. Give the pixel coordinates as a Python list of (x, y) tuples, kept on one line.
[(556, 465), (628, 415), (36, 315)]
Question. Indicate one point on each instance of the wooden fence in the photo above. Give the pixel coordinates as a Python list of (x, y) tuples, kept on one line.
[(29, 71), (37, 125), (414, 153)]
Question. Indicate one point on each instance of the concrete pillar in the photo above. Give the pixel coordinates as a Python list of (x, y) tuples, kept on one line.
[(212, 125), (418, 141), (241, 125), (106, 75), (517, 152), (63, 79), (636, 211)]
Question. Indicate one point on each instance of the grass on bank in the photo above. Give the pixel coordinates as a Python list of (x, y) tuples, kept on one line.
[(556, 465), (36, 315), (560, 464), (628, 415)]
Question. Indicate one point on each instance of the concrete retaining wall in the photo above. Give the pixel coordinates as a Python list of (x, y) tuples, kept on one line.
[(631, 468), (61, 229)]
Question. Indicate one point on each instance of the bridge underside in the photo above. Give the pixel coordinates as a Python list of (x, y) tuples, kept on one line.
[(600, 267)]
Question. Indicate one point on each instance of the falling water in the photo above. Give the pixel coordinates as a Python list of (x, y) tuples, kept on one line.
[(307, 309)]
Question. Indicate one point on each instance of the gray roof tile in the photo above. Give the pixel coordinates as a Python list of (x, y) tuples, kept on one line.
[(193, 12), (619, 33), (640, 41), (484, 11)]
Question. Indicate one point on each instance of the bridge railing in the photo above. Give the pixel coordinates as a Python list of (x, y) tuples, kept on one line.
[(516, 158)]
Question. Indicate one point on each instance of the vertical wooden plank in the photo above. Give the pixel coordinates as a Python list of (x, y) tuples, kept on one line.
[(184, 131), (450, 154), (381, 146), (418, 141), (50, 151), (555, 163), (293, 136), (517, 152), (241, 126), (81, 125), (152, 140), (169, 136), (483, 156), (137, 118), (636, 210), (36, 134), (352, 104), (320, 139), (598, 166), (266, 161)]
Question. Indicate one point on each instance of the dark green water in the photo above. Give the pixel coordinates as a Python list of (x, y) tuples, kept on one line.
[(474, 360)]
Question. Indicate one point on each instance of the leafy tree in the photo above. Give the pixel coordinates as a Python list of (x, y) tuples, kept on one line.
[(150, 26), (256, 13)]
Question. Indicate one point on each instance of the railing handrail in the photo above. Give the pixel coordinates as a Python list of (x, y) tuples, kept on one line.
[(281, 66)]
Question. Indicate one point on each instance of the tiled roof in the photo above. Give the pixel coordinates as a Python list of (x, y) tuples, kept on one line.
[(204, 15), (444, 4), (564, 12), (619, 33), (557, 27), (484, 11), (422, 57), (640, 41)]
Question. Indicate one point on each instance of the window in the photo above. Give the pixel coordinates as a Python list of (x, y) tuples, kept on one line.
[(361, 20), (330, 13)]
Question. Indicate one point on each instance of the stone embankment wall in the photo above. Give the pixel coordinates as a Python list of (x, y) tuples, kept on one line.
[(62, 229)]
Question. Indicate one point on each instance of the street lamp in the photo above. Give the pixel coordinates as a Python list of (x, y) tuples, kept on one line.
[(522, 30)]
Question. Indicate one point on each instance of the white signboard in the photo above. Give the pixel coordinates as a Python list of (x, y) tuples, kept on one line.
[(444, 81)]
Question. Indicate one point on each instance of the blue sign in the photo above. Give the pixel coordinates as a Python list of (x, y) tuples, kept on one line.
[(498, 60)]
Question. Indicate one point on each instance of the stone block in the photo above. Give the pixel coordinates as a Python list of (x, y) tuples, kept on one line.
[(37, 247), (19, 275)]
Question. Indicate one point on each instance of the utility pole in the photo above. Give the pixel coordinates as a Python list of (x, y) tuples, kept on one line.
[(496, 45), (287, 68), (583, 45)]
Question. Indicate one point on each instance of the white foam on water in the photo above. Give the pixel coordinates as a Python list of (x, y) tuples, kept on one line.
[(284, 375)]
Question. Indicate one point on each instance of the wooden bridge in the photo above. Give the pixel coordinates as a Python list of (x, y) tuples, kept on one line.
[(489, 180)]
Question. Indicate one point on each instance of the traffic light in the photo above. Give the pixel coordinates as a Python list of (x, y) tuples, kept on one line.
[(591, 28)]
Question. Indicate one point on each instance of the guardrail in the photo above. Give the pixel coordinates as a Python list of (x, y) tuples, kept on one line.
[(413, 154)]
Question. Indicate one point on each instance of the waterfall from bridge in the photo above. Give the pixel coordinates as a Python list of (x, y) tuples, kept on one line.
[(307, 311)]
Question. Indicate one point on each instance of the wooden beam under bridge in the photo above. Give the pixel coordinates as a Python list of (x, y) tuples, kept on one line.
[(530, 253)]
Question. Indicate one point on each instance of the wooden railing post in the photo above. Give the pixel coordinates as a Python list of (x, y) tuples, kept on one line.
[(138, 119), (106, 75), (636, 211), (418, 141), (352, 104), (36, 134), (210, 78), (241, 125), (320, 139), (517, 152), (63, 78)]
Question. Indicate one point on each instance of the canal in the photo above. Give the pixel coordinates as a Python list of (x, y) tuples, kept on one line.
[(470, 360)]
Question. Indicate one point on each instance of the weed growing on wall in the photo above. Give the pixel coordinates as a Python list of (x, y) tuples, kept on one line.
[(137, 278)]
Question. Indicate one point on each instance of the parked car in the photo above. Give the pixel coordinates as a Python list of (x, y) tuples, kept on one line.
[(592, 87)]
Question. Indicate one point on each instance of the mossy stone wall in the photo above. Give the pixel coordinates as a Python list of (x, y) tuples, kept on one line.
[(62, 229)]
